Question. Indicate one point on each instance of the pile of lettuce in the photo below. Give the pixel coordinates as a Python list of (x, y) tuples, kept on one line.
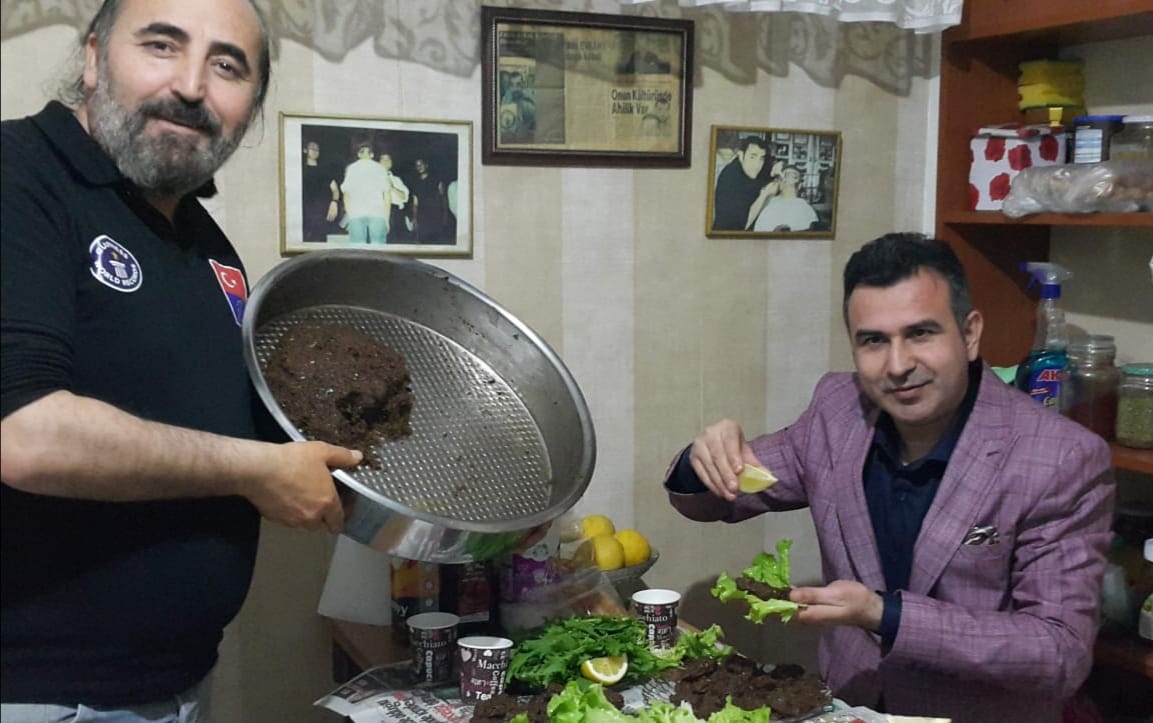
[(579, 703), (770, 570), (554, 652)]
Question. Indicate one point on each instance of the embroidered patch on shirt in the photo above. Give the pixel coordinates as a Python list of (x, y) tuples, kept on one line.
[(113, 265), (232, 284)]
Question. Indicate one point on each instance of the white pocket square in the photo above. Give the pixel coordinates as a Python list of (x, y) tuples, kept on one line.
[(981, 535)]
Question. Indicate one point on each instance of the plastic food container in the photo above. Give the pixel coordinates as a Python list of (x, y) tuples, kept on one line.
[(1135, 140), (1092, 135), (1135, 406), (1089, 384)]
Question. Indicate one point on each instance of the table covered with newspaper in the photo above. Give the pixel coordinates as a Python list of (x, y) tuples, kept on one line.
[(388, 694)]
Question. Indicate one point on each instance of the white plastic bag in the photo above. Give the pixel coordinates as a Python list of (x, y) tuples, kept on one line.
[(1109, 187)]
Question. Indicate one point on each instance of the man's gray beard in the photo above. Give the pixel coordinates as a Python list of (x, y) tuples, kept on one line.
[(167, 164)]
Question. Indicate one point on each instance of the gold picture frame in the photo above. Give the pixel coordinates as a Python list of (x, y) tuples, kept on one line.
[(772, 183), (332, 196), (585, 89)]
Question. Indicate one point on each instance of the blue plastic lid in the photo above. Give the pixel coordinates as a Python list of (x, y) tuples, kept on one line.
[(1050, 291), (1098, 119), (1138, 369)]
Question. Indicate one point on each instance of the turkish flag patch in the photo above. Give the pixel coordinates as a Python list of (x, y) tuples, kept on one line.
[(233, 285)]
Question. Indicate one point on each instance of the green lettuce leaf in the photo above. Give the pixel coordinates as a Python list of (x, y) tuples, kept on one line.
[(584, 704), (661, 712), (703, 644), (768, 569), (554, 652), (773, 571), (732, 714)]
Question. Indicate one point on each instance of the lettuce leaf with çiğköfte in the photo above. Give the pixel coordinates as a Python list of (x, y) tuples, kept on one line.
[(579, 703), (769, 577)]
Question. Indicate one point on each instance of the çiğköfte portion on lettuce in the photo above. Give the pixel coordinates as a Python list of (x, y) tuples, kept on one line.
[(764, 585)]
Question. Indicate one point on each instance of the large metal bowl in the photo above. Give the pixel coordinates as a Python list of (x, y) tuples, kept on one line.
[(501, 442)]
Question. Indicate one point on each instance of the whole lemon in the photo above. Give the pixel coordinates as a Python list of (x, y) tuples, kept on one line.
[(636, 547), (594, 525), (607, 551)]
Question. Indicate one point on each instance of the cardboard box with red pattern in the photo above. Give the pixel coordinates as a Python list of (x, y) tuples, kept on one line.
[(1000, 152)]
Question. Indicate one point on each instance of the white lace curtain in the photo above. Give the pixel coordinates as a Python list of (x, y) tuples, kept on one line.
[(890, 45), (920, 16)]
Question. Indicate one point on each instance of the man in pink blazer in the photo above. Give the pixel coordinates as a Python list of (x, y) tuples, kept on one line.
[(962, 526)]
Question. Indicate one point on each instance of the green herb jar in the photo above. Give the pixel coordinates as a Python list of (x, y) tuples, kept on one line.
[(1135, 406)]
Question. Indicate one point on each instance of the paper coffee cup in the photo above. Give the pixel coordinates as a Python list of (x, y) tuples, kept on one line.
[(483, 665), (433, 638), (657, 609)]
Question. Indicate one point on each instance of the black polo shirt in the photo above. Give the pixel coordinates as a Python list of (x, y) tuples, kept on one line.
[(115, 603)]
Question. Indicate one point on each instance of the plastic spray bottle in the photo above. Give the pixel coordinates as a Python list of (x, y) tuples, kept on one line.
[(1039, 375)]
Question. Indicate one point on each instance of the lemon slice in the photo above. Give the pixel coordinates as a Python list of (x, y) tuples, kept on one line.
[(605, 671), (754, 479)]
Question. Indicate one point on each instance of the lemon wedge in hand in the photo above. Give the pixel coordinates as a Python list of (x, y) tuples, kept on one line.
[(754, 479), (605, 671)]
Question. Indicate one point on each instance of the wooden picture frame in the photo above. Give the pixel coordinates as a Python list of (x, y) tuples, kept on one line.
[(585, 89), (772, 183), (330, 199)]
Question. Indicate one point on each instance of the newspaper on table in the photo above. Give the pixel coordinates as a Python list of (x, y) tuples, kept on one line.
[(388, 694)]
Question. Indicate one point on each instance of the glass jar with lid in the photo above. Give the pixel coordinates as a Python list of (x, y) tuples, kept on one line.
[(1135, 406), (1134, 140), (1090, 383)]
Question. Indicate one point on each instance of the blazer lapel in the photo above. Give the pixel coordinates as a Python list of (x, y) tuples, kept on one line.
[(852, 511), (973, 469)]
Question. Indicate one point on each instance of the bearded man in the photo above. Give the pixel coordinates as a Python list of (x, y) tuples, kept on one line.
[(133, 471)]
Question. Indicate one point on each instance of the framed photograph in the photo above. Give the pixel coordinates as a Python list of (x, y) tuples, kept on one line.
[(401, 186), (585, 89), (772, 183)]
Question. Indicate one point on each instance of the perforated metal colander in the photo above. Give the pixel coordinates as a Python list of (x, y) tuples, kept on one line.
[(501, 436)]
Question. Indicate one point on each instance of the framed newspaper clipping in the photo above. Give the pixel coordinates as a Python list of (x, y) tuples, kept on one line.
[(585, 89)]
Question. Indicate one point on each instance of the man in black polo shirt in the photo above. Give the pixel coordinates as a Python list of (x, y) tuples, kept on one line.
[(133, 478), (962, 526)]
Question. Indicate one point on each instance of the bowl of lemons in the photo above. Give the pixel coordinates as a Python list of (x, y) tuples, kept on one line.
[(622, 555)]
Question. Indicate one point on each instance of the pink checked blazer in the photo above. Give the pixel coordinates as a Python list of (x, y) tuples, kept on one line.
[(988, 632)]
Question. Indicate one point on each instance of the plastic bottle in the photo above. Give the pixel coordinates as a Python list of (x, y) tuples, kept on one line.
[(1039, 375), (415, 589)]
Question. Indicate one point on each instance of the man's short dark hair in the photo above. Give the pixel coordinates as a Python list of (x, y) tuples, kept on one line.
[(101, 27), (894, 257), (754, 141)]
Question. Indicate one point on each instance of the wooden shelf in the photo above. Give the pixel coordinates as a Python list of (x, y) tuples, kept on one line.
[(1064, 21), (1048, 219), (1137, 460), (980, 61)]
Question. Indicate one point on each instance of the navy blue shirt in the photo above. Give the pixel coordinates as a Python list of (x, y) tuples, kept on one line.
[(899, 496)]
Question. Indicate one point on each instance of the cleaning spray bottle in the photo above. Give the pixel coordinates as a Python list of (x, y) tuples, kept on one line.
[(1039, 375)]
